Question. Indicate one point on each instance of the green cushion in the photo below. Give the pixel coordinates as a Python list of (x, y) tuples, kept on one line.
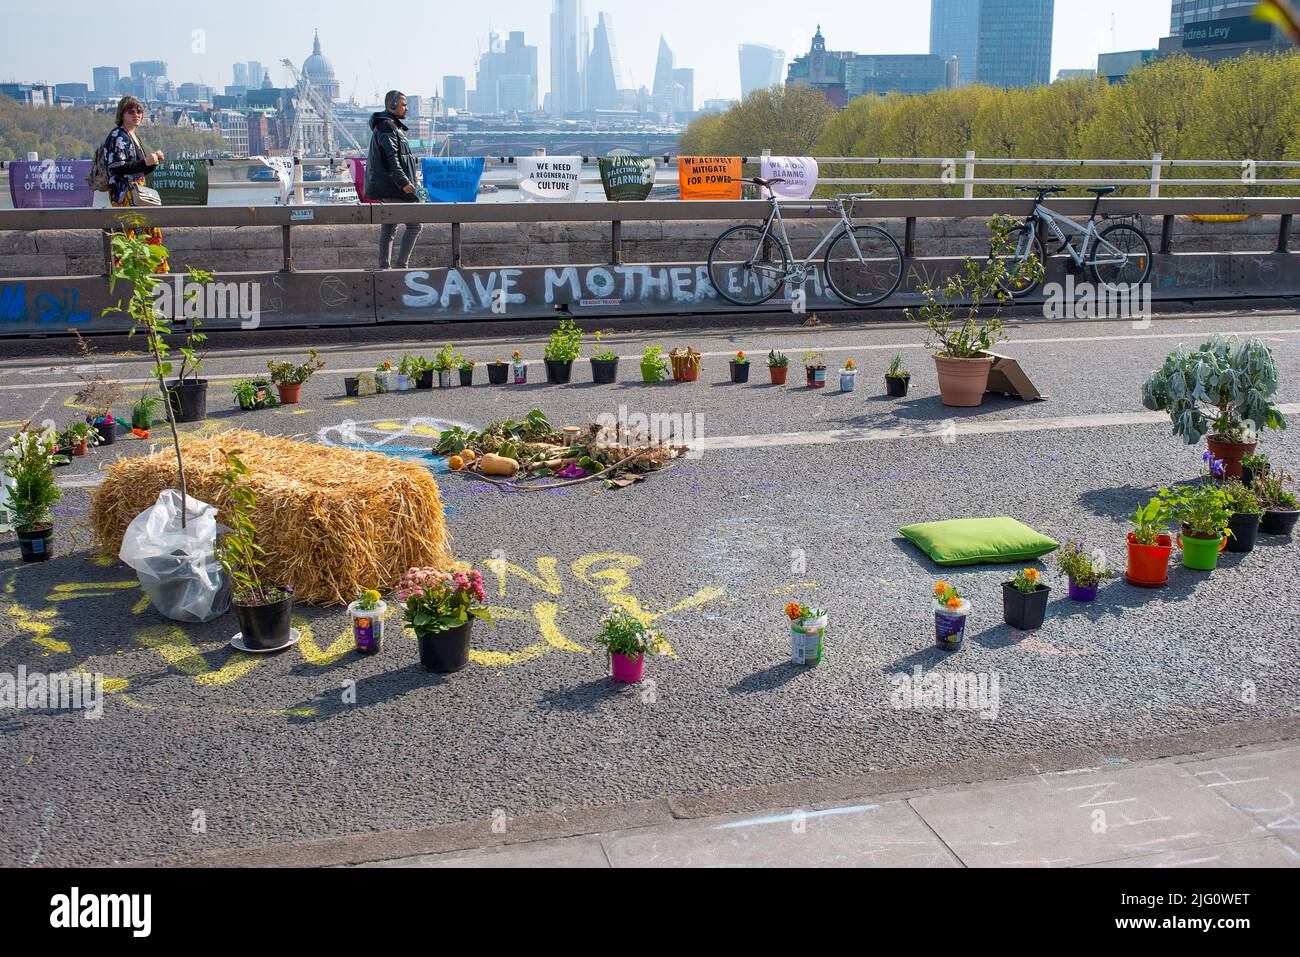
[(972, 541)]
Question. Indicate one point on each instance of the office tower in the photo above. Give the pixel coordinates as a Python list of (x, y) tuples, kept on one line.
[(1005, 43), (155, 69), (761, 67), (240, 77), (674, 90), (256, 74), (1194, 11), (568, 57), (604, 77), (105, 78), (507, 77), (453, 93)]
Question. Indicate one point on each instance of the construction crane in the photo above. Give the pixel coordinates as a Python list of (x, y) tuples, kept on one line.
[(306, 94)]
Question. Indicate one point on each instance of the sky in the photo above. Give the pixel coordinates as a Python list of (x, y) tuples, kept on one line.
[(411, 46)]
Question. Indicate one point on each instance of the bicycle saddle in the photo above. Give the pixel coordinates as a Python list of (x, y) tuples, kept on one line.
[(1101, 190)]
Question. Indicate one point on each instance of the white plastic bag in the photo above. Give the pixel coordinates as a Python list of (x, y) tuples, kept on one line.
[(178, 567)]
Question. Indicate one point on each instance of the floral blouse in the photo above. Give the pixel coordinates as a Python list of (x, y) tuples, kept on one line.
[(126, 165)]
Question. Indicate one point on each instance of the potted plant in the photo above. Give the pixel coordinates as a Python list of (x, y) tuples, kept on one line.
[(740, 367), (949, 617), (32, 494), (466, 369), (440, 607), (364, 384), (1024, 600), (289, 376), (1084, 569), (97, 394), (384, 374), (1222, 392), (604, 363), (1253, 465), (188, 393), (254, 394), (1247, 512), (956, 328), (77, 438), (562, 350), (520, 368), (411, 367), (1280, 510), (264, 611), (654, 364), (848, 376), (368, 613), (144, 410), (778, 365), (686, 364), (627, 641), (897, 379), (444, 361), (1202, 511), (814, 366), (1149, 546), (807, 633), (498, 371)]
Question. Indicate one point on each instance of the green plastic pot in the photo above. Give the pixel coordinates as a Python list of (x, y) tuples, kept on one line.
[(1201, 553)]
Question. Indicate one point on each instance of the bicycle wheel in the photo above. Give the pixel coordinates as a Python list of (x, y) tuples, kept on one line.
[(1013, 285), (868, 274), (1132, 264), (742, 271)]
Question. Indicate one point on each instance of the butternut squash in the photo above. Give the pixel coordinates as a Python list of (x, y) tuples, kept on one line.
[(493, 464)]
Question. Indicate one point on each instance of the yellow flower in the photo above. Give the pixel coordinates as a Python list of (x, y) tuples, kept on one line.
[(373, 595)]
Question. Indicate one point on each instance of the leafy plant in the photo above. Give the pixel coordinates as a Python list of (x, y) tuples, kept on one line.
[(145, 407), (565, 344), (500, 437), (238, 550), (254, 394), (465, 365), (368, 600), (1150, 521), (1225, 389), (1027, 581), (295, 373), (414, 366), (1084, 568), (1273, 493), (1257, 462), (896, 370), (777, 360), (1242, 500), (444, 360), (435, 601), (1202, 510), (73, 435), (797, 612), (654, 364), (814, 360), (621, 633), (97, 393), (600, 354), (952, 311), (29, 464), (191, 350)]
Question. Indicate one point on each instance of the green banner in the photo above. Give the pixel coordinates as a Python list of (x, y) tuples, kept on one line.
[(181, 182), (627, 178)]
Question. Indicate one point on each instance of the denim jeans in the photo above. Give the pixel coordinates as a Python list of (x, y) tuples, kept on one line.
[(387, 233)]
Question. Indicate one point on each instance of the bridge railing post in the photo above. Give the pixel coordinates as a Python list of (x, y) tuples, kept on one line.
[(286, 242), (1156, 166), (616, 243), (1284, 234), (455, 246), (968, 190)]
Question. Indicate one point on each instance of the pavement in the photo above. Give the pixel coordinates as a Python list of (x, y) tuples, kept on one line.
[(204, 752)]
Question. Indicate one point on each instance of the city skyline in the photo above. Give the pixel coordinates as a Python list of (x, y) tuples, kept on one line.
[(427, 47)]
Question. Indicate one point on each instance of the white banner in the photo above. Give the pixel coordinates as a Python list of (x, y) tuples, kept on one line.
[(548, 178), (799, 173), (283, 167)]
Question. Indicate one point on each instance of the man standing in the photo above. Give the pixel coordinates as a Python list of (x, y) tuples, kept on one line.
[(390, 175)]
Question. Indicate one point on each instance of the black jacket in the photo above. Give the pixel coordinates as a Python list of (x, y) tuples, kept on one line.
[(390, 164)]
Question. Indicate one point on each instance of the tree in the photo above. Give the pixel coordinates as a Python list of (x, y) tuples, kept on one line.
[(76, 133), (788, 120)]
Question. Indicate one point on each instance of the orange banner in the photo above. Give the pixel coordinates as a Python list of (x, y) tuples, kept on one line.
[(709, 177)]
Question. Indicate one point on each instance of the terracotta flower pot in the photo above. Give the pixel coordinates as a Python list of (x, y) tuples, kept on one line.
[(290, 392), (1231, 453), (778, 374), (1148, 565), (685, 370), (962, 382)]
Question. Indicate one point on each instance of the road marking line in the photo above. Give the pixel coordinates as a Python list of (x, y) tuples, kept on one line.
[(797, 815), (1056, 340)]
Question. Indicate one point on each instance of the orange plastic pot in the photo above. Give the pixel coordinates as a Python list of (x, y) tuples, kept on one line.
[(1231, 453), (1148, 565), (962, 382)]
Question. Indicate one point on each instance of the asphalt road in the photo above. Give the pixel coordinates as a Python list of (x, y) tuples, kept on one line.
[(201, 748)]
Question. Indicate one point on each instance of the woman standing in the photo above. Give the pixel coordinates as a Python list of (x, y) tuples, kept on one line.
[(128, 164)]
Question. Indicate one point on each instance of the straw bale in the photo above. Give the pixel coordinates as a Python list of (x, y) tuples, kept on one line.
[(332, 521)]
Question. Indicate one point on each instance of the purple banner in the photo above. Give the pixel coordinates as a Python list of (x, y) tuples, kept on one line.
[(50, 183)]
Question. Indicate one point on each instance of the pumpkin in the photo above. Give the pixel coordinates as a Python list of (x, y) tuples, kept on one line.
[(455, 463), (492, 464), (468, 455)]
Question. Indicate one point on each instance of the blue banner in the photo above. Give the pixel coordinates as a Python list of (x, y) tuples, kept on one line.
[(452, 179)]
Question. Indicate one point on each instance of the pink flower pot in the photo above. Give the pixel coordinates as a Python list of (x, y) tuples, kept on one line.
[(626, 669)]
